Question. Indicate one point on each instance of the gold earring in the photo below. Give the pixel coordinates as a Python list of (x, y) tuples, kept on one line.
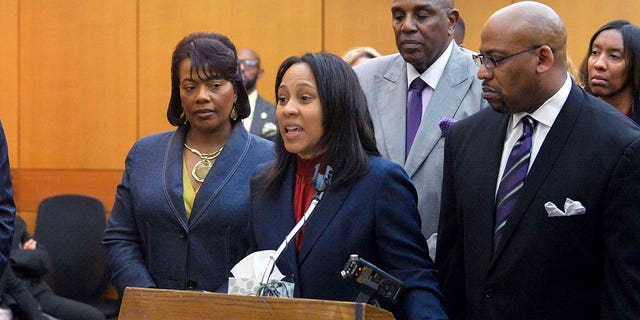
[(234, 113)]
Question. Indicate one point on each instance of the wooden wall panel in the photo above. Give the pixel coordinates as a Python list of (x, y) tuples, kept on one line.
[(32, 186), (9, 78), (77, 83), (475, 14), (275, 29), (583, 18), (347, 26)]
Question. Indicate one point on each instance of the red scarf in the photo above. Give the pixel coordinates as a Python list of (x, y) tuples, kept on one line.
[(303, 191)]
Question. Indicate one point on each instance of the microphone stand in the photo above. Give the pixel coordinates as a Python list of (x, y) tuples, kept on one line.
[(320, 183)]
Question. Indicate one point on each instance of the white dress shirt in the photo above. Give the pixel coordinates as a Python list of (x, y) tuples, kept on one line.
[(545, 116), (253, 97)]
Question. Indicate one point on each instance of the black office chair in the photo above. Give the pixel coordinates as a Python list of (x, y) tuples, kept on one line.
[(70, 227)]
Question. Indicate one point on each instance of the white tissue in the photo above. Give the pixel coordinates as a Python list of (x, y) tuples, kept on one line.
[(255, 265)]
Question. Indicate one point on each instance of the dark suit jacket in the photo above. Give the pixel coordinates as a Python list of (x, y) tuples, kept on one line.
[(574, 267), (14, 294), (30, 265), (7, 206), (150, 242), (264, 123), (374, 216)]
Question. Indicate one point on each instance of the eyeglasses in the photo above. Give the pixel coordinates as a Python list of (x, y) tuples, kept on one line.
[(492, 62), (248, 62)]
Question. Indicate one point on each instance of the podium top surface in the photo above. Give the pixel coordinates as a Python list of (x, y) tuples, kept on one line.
[(160, 304)]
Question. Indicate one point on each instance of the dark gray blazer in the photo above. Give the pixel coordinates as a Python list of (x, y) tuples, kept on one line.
[(264, 123)]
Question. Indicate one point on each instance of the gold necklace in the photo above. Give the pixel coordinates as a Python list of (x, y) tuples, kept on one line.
[(202, 167)]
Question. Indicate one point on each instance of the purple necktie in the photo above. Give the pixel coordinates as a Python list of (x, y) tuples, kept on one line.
[(414, 112), (513, 178)]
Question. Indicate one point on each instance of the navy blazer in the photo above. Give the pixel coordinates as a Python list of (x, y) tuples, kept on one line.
[(572, 267), (149, 240), (374, 216), (7, 206)]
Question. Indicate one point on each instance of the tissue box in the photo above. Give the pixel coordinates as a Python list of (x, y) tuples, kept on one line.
[(250, 286)]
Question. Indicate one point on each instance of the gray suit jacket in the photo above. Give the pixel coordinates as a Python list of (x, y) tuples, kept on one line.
[(458, 95), (264, 123)]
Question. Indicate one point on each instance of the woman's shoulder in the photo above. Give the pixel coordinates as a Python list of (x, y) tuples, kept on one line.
[(382, 165), (260, 143), (381, 169)]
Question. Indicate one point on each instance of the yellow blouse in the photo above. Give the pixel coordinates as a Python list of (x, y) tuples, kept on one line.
[(188, 191)]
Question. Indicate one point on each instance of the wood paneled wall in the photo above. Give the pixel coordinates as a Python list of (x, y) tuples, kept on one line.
[(83, 79)]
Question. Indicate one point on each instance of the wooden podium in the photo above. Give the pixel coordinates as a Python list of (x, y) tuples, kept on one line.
[(159, 304)]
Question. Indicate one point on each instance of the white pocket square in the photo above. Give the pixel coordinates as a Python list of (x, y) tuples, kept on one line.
[(571, 208)]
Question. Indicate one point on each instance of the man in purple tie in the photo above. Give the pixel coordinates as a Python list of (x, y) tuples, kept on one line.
[(409, 92), (541, 193)]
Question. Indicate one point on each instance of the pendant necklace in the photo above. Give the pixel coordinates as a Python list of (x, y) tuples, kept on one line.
[(202, 167)]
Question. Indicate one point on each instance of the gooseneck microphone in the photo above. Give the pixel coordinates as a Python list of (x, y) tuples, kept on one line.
[(321, 183)]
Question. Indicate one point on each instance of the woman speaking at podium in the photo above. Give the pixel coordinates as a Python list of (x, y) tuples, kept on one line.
[(369, 208)]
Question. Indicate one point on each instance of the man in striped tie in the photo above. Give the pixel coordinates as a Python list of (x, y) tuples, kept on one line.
[(540, 210)]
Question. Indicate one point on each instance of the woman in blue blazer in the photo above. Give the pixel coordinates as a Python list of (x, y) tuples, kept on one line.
[(181, 210), (370, 208)]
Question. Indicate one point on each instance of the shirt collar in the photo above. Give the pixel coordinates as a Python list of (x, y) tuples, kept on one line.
[(549, 110), (432, 75), (253, 97)]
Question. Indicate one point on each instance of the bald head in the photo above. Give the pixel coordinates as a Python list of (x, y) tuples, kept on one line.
[(525, 47), (248, 54), (531, 23)]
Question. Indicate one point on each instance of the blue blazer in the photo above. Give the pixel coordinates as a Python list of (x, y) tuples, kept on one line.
[(149, 240), (7, 206), (375, 216)]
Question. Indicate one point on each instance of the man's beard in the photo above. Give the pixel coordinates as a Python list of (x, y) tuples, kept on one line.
[(250, 85)]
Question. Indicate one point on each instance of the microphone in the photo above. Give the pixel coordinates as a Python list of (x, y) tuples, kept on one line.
[(374, 282), (321, 183)]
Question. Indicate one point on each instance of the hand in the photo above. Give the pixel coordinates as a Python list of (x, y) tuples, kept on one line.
[(29, 245)]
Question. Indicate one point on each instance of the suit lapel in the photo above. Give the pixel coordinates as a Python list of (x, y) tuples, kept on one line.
[(321, 218), (393, 92), (549, 152), (172, 175), (488, 155), (279, 213), (256, 121), (446, 100), (234, 152)]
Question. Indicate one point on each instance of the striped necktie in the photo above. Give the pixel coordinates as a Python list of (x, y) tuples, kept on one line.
[(513, 178)]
